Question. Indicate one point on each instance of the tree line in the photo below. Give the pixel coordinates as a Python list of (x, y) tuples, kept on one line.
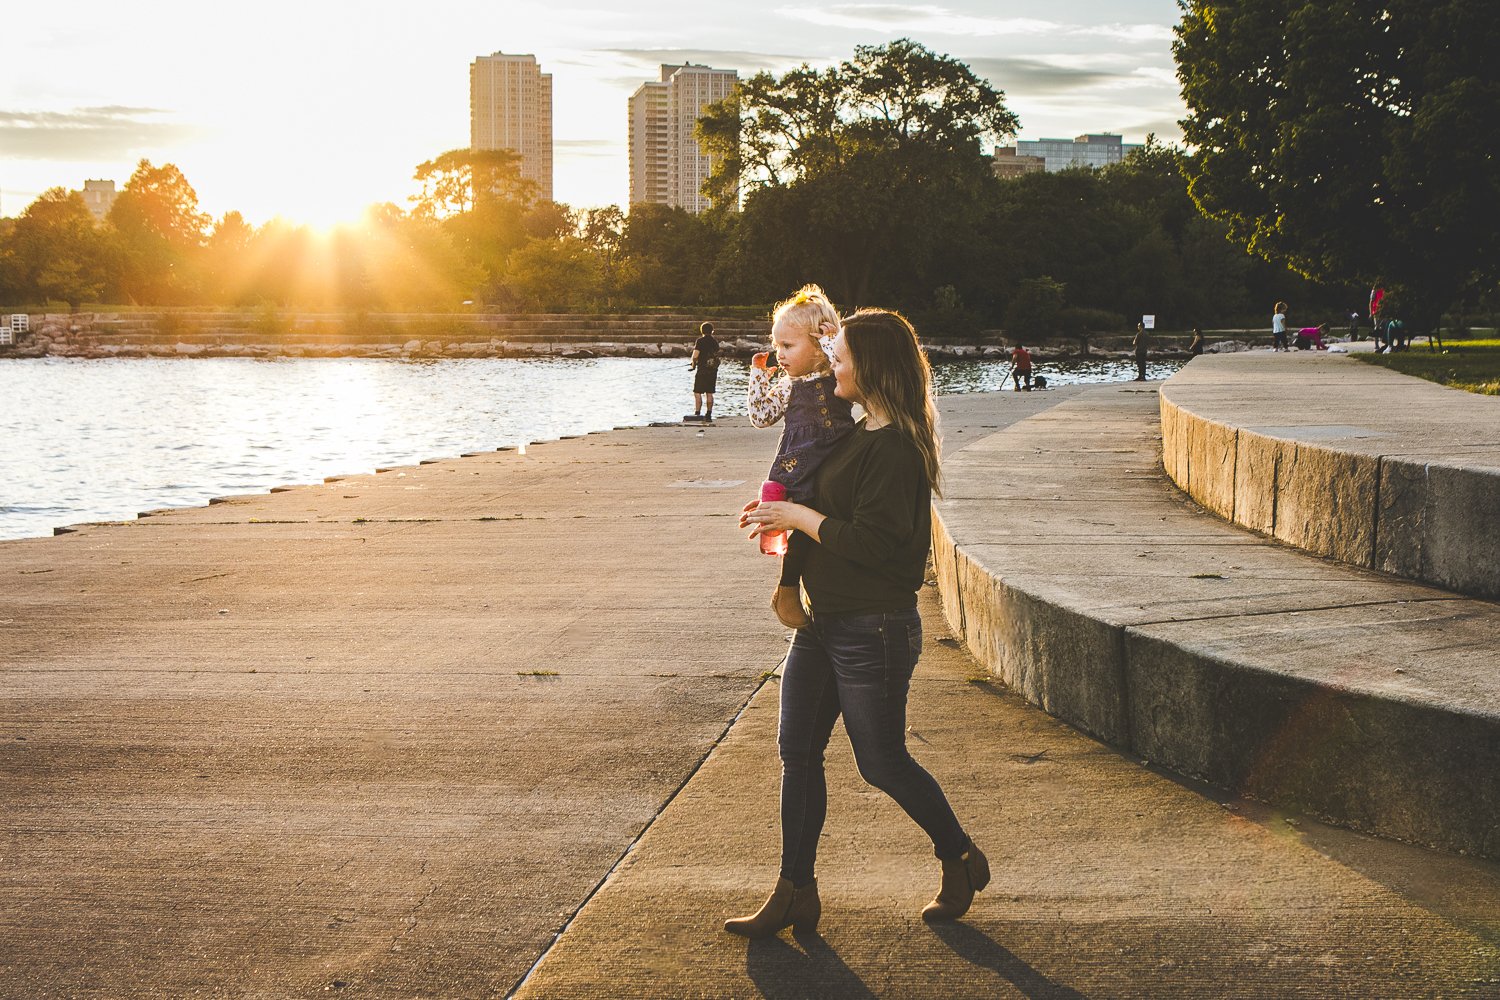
[(868, 177)]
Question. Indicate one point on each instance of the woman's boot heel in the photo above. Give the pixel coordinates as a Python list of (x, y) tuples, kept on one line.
[(962, 877), (788, 906)]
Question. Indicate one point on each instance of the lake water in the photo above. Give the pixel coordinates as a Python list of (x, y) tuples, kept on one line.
[(100, 440)]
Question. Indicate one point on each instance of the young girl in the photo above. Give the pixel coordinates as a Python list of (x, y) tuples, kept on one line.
[(802, 332)]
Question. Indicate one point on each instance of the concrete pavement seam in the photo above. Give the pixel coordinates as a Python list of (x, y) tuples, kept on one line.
[(630, 848)]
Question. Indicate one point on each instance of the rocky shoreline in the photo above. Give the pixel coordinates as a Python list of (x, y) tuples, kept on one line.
[(219, 335)]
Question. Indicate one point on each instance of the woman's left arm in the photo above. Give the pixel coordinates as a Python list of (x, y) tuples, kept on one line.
[(886, 494), (762, 516)]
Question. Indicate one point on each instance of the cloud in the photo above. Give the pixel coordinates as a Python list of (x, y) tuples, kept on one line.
[(1166, 129), (1036, 76), (932, 19), (748, 63), (88, 134)]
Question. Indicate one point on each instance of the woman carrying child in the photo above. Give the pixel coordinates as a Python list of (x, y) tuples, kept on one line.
[(869, 520), (816, 420)]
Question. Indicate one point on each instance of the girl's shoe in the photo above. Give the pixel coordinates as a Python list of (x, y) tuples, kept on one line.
[(787, 603), (787, 906), (962, 877)]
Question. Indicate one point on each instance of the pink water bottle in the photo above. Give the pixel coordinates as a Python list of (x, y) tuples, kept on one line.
[(772, 543)]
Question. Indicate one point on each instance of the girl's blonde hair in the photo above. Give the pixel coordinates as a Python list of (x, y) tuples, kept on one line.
[(809, 310), (891, 371)]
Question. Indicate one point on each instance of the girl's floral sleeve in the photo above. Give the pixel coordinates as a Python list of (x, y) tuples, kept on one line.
[(768, 396)]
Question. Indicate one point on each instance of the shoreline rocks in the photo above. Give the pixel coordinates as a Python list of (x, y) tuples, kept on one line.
[(245, 335)]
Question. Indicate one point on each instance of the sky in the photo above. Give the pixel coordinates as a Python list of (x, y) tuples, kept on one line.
[(314, 110)]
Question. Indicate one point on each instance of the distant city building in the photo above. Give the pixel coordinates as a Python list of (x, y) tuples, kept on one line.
[(99, 196), (510, 107), (666, 165), (1007, 163), (1091, 150)]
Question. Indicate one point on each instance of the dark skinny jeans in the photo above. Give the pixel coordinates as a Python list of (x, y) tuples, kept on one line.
[(860, 666)]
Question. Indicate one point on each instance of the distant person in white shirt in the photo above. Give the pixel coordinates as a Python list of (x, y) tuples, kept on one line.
[(1278, 328)]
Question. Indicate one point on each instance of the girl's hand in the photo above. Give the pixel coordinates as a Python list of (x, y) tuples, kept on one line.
[(759, 360)]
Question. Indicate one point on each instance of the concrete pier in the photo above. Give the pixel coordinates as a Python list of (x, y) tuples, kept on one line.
[(387, 736)]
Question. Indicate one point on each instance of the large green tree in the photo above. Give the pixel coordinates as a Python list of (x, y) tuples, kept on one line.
[(160, 232), (1353, 141), (862, 174), (55, 251), (461, 180)]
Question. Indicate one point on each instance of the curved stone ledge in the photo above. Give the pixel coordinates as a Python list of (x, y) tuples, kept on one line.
[(1343, 460), (1081, 578)]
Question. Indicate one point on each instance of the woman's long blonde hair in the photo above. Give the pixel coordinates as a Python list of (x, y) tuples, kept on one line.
[(892, 373)]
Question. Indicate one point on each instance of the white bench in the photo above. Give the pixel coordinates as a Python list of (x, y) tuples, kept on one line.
[(13, 324)]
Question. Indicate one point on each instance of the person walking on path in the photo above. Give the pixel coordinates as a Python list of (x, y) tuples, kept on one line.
[(870, 519), (1278, 328), (1142, 346), (705, 361), (817, 419), (1020, 367)]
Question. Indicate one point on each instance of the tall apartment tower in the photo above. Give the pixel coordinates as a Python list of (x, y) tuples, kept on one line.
[(666, 165), (510, 107)]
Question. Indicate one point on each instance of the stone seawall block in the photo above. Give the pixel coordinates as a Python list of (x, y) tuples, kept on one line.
[(1380, 760), (1062, 660), (1440, 523), (1211, 462), (1257, 459), (1325, 502), (1361, 465)]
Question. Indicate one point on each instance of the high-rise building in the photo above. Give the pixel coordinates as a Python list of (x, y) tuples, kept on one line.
[(510, 107), (1095, 149), (667, 167), (650, 165)]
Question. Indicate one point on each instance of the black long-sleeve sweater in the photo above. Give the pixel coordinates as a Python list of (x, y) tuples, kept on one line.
[(873, 545)]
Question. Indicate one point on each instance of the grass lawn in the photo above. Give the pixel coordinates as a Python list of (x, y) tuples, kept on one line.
[(1471, 365)]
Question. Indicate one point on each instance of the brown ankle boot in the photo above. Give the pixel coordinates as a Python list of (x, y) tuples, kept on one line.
[(788, 905), (962, 877)]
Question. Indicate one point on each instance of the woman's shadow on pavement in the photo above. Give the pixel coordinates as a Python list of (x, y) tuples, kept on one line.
[(782, 971), (980, 949)]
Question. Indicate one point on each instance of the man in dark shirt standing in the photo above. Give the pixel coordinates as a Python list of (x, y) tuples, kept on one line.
[(705, 362), (1141, 345)]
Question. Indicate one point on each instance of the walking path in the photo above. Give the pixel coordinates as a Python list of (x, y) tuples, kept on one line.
[(1111, 877), (387, 735)]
